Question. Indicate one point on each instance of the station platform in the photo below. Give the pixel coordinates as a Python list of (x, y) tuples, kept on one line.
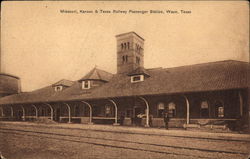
[(134, 130)]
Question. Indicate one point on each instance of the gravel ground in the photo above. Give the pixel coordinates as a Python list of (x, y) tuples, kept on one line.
[(73, 144)]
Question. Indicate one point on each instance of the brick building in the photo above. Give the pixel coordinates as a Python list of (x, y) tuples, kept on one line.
[(200, 95)]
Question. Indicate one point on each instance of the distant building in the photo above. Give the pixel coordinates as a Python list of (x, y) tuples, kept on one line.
[(214, 94), (9, 84)]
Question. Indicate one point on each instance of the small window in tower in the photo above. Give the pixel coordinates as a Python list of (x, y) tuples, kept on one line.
[(138, 60), (139, 49), (125, 46), (123, 59), (121, 46), (126, 59), (128, 45)]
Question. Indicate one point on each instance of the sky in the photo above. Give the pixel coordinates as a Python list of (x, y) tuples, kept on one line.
[(41, 45)]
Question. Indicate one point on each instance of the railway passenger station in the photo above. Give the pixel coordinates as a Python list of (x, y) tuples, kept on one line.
[(214, 94)]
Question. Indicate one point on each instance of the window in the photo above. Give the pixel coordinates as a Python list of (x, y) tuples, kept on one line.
[(172, 109), (128, 45), (121, 46), (138, 60), (137, 78), (204, 109), (160, 108), (85, 84), (123, 59), (126, 58), (221, 112), (108, 111), (219, 109), (58, 88), (140, 49)]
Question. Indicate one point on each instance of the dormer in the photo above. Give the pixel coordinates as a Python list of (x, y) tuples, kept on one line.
[(62, 84), (138, 75), (96, 77)]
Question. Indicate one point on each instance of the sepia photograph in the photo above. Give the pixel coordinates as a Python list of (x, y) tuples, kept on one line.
[(124, 80)]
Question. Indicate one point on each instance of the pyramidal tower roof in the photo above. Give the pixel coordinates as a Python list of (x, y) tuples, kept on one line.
[(97, 74)]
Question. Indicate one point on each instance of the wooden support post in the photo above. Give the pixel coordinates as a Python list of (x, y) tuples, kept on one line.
[(147, 111), (116, 112), (35, 110), (69, 110), (241, 103), (90, 111), (51, 110), (188, 113), (23, 113)]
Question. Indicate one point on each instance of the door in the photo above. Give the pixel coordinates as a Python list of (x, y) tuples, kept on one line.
[(137, 120), (57, 114)]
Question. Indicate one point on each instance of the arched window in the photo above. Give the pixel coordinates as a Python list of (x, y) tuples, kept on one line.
[(125, 46), (172, 109), (128, 45), (204, 109), (219, 109), (123, 59), (121, 46), (126, 58), (160, 109)]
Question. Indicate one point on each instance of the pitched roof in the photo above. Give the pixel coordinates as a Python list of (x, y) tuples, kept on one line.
[(139, 71), (222, 75), (39, 95), (97, 74), (63, 82)]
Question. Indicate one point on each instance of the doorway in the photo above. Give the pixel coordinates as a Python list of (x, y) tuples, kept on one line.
[(57, 114), (136, 120)]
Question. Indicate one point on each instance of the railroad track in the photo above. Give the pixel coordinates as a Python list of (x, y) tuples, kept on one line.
[(124, 144)]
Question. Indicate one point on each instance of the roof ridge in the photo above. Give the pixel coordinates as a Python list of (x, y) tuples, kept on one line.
[(206, 63), (103, 70), (98, 74)]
